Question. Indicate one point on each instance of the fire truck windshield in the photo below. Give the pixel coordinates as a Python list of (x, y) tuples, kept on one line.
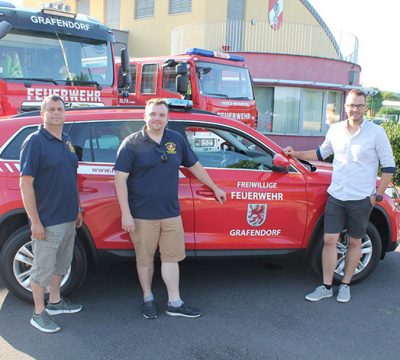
[(58, 59), (224, 81)]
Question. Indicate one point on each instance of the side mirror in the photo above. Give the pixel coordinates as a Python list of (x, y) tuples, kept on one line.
[(182, 78), (280, 164), (182, 83), (126, 79), (5, 28)]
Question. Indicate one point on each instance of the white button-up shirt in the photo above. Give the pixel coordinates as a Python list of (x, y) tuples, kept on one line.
[(356, 159)]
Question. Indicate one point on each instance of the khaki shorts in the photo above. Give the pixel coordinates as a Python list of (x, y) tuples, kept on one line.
[(166, 234), (53, 255)]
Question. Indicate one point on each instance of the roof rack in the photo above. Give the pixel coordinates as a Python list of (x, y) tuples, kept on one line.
[(172, 107)]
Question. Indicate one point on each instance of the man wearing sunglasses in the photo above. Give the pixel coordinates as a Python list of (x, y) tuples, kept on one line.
[(146, 182), (358, 146)]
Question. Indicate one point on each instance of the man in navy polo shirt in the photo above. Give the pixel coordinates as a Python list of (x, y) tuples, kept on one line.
[(146, 182), (48, 170)]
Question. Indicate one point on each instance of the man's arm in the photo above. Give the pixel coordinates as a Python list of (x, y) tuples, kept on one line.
[(386, 178), (202, 175), (310, 155), (29, 200), (121, 189)]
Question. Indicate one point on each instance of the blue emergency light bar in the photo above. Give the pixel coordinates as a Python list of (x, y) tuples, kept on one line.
[(216, 54), (179, 103)]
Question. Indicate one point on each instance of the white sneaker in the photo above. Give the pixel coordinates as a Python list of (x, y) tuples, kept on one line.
[(321, 292), (343, 295)]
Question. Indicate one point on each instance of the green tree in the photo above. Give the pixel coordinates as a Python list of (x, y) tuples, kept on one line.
[(374, 103), (388, 95), (393, 132)]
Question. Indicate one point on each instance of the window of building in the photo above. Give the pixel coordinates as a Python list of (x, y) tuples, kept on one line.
[(149, 79), (265, 104), (334, 106), (295, 111), (113, 13), (144, 9), (179, 6), (286, 110), (312, 105), (83, 7)]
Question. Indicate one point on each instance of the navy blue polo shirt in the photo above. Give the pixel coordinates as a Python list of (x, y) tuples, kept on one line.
[(53, 165), (153, 183)]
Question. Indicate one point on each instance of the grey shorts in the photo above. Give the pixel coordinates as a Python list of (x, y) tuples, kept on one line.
[(53, 255), (352, 215)]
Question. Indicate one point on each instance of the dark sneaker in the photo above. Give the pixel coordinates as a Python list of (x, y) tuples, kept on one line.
[(63, 307), (44, 322), (149, 310), (183, 310)]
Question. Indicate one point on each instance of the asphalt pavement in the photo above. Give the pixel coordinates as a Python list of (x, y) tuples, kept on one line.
[(253, 308)]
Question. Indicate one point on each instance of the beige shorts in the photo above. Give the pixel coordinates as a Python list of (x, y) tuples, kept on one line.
[(166, 234)]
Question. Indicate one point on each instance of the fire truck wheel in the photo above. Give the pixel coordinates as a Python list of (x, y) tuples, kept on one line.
[(371, 249), (16, 260)]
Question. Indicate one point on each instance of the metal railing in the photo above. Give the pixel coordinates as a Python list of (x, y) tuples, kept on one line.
[(258, 36)]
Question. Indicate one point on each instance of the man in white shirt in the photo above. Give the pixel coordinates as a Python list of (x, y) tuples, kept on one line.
[(358, 146)]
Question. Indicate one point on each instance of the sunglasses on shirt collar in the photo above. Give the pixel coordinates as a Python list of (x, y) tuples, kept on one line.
[(163, 157)]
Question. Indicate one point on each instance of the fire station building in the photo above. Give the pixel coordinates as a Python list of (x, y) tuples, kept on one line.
[(300, 70)]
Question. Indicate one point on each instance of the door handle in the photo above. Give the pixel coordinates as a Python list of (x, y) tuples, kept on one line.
[(205, 193)]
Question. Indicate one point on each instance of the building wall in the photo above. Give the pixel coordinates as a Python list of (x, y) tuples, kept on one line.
[(152, 36)]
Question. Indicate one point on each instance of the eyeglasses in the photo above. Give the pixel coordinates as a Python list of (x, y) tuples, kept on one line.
[(356, 106), (163, 157)]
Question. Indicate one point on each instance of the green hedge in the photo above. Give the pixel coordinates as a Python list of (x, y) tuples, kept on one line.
[(393, 132)]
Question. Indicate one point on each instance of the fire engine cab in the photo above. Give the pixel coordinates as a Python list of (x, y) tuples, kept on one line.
[(53, 51), (214, 81)]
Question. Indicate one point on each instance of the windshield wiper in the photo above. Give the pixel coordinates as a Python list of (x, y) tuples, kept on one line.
[(216, 94), (85, 82), (240, 98), (49, 80)]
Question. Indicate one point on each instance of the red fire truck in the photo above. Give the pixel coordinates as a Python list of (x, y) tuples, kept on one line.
[(213, 81), (55, 52)]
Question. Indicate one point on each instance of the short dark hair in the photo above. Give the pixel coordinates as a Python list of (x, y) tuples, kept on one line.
[(357, 92), (156, 101), (49, 98)]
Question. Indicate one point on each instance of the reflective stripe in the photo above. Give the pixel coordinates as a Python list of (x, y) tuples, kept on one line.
[(105, 170)]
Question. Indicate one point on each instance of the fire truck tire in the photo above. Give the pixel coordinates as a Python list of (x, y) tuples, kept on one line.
[(16, 261), (371, 249)]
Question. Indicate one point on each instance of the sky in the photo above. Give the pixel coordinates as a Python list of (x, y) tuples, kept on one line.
[(376, 25)]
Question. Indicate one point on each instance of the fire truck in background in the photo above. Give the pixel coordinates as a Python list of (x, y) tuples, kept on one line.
[(53, 51), (213, 81)]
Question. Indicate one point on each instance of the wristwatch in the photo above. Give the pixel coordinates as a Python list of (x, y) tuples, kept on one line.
[(378, 197)]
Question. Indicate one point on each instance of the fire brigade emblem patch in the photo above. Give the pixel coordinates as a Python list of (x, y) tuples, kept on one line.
[(256, 214), (170, 147), (70, 147)]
